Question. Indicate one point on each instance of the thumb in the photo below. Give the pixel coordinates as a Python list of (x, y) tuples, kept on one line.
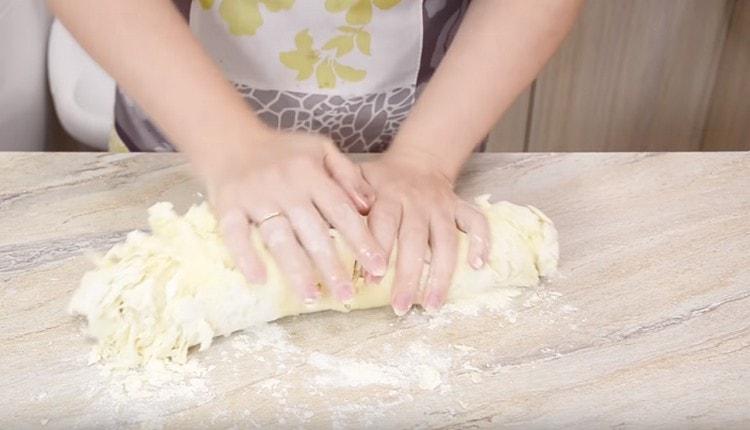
[(349, 177)]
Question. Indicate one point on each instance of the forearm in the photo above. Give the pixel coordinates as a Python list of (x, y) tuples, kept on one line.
[(149, 50), (499, 49)]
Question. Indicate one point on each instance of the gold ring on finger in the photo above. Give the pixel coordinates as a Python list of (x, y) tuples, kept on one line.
[(270, 216)]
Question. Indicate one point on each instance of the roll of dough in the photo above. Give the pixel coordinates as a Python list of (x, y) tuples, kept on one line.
[(155, 295)]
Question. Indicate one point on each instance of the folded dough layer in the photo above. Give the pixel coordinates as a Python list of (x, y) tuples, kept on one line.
[(155, 295)]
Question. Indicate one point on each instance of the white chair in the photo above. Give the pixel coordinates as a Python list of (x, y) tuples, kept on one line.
[(83, 93)]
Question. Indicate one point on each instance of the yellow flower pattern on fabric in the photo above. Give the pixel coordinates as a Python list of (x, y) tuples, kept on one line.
[(385, 4), (325, 62), (351, 36), (359, 12), (278, 5), (243, 16), (305, 59)]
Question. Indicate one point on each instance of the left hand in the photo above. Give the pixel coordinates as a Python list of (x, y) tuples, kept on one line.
[(416, 204)]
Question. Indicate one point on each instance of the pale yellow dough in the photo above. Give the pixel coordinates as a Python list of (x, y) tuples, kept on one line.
[(155, 295)]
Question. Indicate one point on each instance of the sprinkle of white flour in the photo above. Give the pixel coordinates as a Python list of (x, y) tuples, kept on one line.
[(493, 301), (428, 377), (415, 363), (157, 380), (342, 372)]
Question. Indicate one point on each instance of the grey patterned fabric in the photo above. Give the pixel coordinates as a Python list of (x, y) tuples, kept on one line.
[(365, 123), (357, 124)]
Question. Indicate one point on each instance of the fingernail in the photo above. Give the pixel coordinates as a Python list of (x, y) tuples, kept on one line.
[(433, 302), (345, 293), (379, 265), (361, 201), (477, 263), (312, 293), (402, 303), (372, 279), (366, 195)]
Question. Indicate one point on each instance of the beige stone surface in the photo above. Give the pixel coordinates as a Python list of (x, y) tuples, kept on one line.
[(648, 323)]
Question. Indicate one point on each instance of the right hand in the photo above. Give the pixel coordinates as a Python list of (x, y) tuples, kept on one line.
[(294, 186)]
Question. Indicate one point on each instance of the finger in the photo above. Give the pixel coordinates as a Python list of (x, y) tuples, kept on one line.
[(383, 220), (235, 229), (412, 245), (473, 222), (314, 235), (336, 208), (349, 176), (292, 260), (444, 247)]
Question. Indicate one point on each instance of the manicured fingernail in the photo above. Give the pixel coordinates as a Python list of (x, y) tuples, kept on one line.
[(477, 263), (402, 303)]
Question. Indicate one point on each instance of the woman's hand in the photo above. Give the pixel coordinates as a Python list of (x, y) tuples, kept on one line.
[(293, 186), (416, 205)]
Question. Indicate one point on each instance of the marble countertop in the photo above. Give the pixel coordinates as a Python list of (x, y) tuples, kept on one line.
[(647, 324)]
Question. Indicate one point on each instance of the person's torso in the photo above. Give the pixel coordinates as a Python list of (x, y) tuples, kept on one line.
[(349, 69)]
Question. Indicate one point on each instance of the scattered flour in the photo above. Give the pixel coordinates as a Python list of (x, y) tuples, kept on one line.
[(428, 377), (493, 301), (344, 372), (395, 376), (156, 381)]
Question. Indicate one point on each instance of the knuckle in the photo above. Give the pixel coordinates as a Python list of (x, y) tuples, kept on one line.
[(320, 249), (232, 219), (300, 217), (447, 242), (342, 210), (444, 219), (275, 238), (383, 220), (413, 233)]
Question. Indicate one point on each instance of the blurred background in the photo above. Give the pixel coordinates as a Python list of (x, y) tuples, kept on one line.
[(634, 75)]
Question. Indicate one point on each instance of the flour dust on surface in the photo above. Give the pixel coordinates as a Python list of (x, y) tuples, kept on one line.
[(297, 385)]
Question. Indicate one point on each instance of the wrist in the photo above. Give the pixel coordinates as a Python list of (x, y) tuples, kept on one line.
[(424, 158), (215, 146), (416, 159)]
